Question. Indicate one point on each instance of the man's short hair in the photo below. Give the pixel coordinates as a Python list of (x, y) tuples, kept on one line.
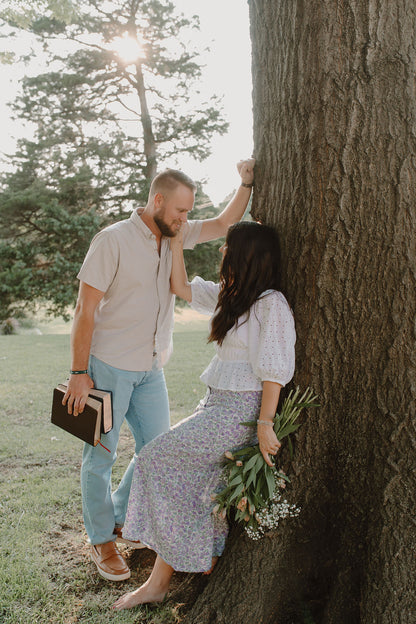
[(167, 181)]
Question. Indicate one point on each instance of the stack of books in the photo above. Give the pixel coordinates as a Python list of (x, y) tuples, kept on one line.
[(97, 417)]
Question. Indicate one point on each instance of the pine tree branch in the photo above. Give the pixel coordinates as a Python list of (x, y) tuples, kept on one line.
[(131, 110), (99, 10), (84, 43), (37, 228)]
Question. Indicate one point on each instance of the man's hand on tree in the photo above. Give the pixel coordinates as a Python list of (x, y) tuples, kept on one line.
[(246, 170)]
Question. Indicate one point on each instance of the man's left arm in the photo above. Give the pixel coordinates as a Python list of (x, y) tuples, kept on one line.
[(218, 226)]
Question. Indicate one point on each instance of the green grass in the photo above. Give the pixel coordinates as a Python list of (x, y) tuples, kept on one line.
[(45, 572)]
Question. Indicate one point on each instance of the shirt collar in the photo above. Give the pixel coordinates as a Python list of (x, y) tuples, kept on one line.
[(140, 224)]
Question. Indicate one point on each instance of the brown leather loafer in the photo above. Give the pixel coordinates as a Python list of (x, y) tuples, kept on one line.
[(110, 563), (133, 544)]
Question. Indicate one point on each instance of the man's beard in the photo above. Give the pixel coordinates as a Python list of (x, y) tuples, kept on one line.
[(163, 227)]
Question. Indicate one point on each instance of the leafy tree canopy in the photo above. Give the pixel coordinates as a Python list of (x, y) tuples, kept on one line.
[(21, 13), (144, 111), (103, 125)]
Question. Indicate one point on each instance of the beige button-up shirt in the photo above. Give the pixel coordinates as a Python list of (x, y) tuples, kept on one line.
[(134, 319)]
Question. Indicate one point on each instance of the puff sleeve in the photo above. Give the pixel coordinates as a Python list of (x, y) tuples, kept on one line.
[(271, 339), (204, 296)]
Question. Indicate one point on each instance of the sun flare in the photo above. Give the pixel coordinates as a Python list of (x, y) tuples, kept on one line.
[(128, 49)]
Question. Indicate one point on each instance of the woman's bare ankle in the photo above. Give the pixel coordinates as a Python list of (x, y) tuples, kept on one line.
[(214, 562), (144, 594), (153, 590)]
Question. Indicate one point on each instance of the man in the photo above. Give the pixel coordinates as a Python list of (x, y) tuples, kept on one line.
[(122, 338)]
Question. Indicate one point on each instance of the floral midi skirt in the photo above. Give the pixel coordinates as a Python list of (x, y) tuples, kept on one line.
[(170, 504)]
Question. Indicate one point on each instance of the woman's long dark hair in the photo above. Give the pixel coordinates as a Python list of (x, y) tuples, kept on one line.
[(250, 266)]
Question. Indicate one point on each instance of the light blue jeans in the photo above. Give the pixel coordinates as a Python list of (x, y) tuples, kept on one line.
[(142, 399)]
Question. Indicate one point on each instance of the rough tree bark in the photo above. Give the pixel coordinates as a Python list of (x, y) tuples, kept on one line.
[(334, 125)]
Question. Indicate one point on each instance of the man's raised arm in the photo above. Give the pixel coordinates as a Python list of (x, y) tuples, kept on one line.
[(218, 226)]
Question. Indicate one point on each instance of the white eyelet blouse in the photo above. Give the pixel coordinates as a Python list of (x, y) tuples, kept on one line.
[(261, 347)]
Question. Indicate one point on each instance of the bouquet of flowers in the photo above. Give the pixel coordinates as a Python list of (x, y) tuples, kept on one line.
[(253, 488)]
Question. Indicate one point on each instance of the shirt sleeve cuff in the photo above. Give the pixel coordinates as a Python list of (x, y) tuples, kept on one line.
[(192, 233)]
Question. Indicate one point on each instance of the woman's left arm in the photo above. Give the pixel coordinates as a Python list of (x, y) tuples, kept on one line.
[(271, 349), (268, 442)]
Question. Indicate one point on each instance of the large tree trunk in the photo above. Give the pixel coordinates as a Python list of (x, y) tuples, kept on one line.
[(335, 122)]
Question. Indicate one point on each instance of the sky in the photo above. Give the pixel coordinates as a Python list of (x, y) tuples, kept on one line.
[(224, 28)]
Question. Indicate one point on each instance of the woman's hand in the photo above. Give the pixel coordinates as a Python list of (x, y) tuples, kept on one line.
[(268, 442), (177, 240)]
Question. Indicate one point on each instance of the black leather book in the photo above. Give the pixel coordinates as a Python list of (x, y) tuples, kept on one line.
[(87, 426)]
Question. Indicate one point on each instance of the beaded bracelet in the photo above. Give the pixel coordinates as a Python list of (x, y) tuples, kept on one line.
[(265, 422)]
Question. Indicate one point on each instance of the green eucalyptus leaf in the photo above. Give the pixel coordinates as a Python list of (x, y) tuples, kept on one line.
[(233, 471), (251, 478), (250, 463), (260, 462), (290, 445), (237, 479), (237, 492)]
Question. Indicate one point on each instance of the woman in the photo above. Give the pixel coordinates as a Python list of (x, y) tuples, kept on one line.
[(170, 506)]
